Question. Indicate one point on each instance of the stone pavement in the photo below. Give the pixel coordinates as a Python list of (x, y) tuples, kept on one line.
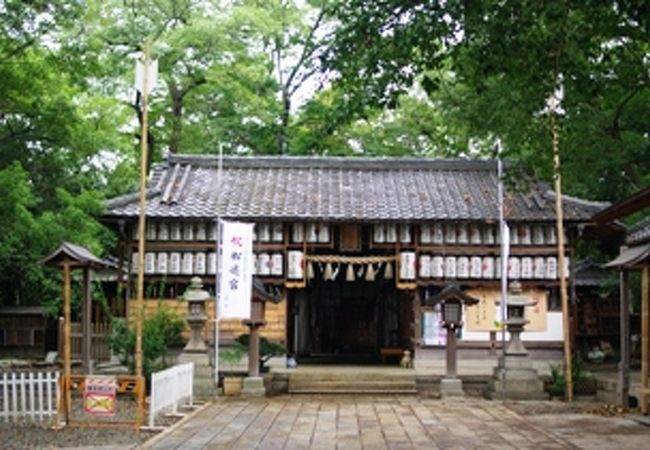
[(392, 422)]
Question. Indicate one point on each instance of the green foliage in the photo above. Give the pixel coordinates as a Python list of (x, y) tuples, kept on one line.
[(232, 355), (160, 331), (583, 382)]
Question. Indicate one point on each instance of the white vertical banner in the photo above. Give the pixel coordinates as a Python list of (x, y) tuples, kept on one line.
[(235, 280)]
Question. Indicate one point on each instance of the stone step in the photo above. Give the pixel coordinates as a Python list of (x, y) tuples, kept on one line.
[(349, 383), (359, 391)]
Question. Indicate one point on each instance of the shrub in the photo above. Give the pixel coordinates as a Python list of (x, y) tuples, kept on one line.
[(268, 349), (159, 332)]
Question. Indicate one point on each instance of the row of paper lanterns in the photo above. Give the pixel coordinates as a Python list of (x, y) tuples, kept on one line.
[(436, 233), (428, 266), (478, 267)]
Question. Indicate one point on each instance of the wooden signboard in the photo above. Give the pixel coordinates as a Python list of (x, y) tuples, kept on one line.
[(485, 315)]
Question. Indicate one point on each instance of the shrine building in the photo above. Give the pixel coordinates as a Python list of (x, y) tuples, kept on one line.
[(355, 247)]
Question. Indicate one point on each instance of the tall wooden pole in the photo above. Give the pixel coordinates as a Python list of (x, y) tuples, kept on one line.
[(142, 219), (87, 322), (624, 365), (67, 372), (645, 339), (560, 253)]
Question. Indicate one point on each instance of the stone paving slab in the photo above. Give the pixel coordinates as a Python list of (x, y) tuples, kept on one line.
[(393, 422)]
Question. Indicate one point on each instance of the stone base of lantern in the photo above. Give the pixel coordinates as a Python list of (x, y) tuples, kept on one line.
[(204, 387), (451, 387), (253, 387), (521, 380)]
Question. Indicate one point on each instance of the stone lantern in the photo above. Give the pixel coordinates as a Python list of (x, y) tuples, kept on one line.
[(516, 321), (515, 378), (196, 297)]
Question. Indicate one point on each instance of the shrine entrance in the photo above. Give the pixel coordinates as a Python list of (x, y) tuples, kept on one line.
[(341, 321)]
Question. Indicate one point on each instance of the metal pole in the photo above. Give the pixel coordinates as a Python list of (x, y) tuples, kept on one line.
[(142, 217), (217, 276)]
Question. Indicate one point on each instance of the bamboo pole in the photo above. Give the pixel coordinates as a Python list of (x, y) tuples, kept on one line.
[(645, 339), (67, 372), (142, 217), (560, 255)]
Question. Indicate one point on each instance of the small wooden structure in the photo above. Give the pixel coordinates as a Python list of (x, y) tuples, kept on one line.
[(635, 256), (258, 307), (70, 256)]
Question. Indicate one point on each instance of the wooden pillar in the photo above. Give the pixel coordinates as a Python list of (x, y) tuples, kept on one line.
[(624, 364), (645, 339), (86, 324), (254, 351), (67, 372), (451, 353)]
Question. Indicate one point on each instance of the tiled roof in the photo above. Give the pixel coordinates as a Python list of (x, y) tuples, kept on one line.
[(639, 232), (328, 188)]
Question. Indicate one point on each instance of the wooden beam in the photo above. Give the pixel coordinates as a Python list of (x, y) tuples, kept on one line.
[(66, 342), (86, 334), (645, 339), (624, 364)]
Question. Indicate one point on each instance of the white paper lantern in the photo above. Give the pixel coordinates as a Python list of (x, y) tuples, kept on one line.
[(379, 233), (538, 235), (475, 267), (425, 266), (450, 233), (149, 263), (277, 234), (539, 267), (188, 231), (296, 265), (437, 233), (161, 263), (263, 232), (201, 231), (405, 233), (135, 262), (425, 233), (175, 233), (199, 263), (551, 268), (550, 237), (487, 269), (462, 236), (151, 231), (187, 267), (514, 234), (438, 267), (277, 264), (264, 264), (297, 233), (475, 234), (524, 235), (526, 267), (323, 233), (462, 267), (163, 231), (212, 263), (488, 234), (514, 268), (212, 231), (450, 267), (174, 263), (311, 232), (391, 233), (407, 266)]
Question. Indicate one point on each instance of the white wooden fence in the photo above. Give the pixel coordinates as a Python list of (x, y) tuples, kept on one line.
[(169, 388), (31, 395)]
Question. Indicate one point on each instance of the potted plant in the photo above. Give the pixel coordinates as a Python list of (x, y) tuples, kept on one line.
[(230, 357)]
